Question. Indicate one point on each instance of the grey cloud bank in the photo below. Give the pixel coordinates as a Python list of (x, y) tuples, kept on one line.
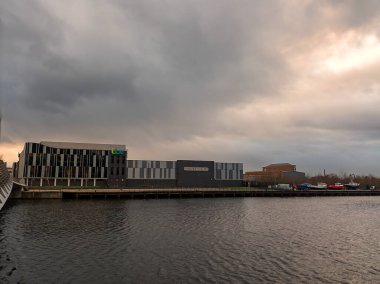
[(246, 81)]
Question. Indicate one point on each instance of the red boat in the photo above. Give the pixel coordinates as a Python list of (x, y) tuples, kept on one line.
[(335, 186)]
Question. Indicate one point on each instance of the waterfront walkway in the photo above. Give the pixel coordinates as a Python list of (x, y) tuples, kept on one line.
[(142, 193)]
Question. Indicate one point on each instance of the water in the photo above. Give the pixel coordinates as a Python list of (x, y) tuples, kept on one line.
[(220, 240)]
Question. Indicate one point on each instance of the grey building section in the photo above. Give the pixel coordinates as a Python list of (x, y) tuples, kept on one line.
[(183, 173), (195, 173), (151, 174), (228, 174), (152, 170), (228, 171)]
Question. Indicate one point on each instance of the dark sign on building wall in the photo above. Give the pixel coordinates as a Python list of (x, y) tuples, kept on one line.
[(195, 173)]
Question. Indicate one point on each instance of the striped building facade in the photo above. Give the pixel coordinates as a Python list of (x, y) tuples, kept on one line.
[(228, 171), (146, 169), (72, 164)]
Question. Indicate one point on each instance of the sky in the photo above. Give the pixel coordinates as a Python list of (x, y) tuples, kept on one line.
[(256, 82)]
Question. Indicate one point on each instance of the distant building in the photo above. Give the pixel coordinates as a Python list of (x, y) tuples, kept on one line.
[(61, 164), (275, 173)]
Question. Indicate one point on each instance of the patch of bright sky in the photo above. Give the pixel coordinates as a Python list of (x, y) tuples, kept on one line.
[(9, 152), (351, 54)]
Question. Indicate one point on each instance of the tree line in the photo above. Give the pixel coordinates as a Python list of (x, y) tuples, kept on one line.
[(363, 180)]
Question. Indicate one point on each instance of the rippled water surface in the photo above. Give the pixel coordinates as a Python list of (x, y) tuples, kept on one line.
[(221, 240)]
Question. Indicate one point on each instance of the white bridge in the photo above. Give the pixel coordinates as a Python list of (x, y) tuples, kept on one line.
[(6, 184)]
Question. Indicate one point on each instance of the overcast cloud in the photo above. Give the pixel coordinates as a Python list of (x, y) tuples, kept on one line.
[(248, 81)]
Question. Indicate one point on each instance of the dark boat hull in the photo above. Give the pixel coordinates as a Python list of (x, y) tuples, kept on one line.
[(351, 187)]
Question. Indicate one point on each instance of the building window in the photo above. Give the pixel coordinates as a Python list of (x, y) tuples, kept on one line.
[(60, 172), (73, 172), (38, 159), (53, 172), (80, 170), (30, 159)]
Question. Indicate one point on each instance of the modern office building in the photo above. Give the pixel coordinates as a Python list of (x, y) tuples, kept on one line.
[(61, 164), (72, 165)]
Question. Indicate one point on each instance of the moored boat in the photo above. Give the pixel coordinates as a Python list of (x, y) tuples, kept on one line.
[(352, 185), (319, 186), (336, 185), (303, 186)]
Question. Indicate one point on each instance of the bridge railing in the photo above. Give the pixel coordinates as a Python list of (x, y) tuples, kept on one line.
[(4, 174)]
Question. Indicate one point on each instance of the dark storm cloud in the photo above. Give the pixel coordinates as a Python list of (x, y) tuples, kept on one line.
[(50, 78), (57, 88), (356, 13), (201, 57)]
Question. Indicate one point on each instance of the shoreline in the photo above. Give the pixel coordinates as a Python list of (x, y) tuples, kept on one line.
[(142, 193)]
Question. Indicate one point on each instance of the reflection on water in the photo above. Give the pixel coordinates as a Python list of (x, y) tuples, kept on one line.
[(226, 240)]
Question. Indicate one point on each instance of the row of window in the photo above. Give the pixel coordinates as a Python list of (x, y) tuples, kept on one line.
[(72, 160), (66, 172), (95, 172), (148, 173), (228, 174), (66, 160), (73, 172), (151, 164), (228, 166)]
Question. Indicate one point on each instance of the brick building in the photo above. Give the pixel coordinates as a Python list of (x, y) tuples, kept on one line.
[(275, 173)]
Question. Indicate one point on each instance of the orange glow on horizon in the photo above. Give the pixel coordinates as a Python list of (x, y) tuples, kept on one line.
[(9, 152)]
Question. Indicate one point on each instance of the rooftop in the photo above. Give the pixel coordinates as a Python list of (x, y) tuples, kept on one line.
[(279, 164), (82, 146)]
